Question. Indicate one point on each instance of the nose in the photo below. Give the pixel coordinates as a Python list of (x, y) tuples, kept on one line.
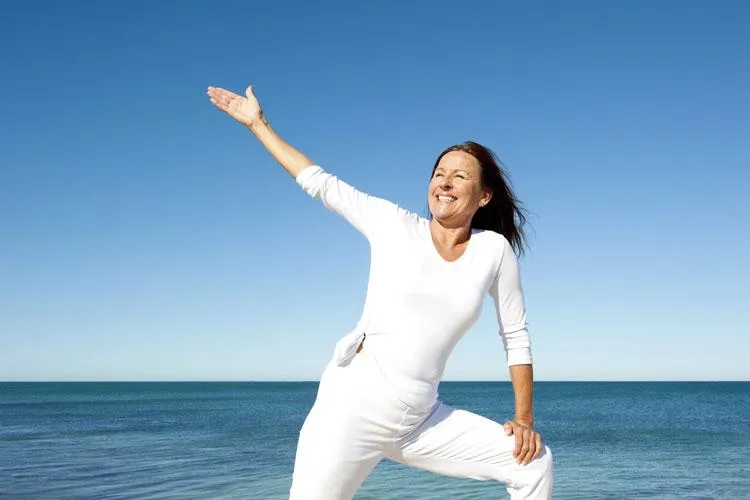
[(445, 182)]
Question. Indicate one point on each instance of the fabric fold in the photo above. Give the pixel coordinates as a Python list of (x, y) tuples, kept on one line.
[(346, 347)]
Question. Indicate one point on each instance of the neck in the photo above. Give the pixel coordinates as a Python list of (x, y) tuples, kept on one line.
[(450, 236)]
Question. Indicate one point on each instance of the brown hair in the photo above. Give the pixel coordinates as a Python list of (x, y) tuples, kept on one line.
[(504, 214)]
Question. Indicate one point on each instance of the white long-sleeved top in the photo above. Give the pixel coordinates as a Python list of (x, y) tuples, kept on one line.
[(418, 305)]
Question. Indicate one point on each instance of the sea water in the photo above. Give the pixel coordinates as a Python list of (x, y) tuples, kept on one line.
[(170, 440)]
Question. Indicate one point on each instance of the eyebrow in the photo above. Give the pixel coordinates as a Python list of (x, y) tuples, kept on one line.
[(455, 170)]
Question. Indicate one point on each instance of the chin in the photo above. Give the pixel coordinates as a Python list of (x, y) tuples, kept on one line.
[(445, 220)]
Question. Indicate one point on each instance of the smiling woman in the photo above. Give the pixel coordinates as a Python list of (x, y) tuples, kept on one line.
[(474, 169), (428, 278)]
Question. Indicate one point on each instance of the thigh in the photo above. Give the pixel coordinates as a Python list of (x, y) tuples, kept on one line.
[(459, 443), (332, 461), (343, 438)]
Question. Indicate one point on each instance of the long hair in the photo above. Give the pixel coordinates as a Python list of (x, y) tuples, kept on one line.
[(504, 214)]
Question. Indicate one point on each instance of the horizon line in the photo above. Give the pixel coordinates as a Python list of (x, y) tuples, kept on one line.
[(256, 381)]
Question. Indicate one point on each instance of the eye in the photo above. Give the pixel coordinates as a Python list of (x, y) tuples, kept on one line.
[(438, 174), (461, 176)]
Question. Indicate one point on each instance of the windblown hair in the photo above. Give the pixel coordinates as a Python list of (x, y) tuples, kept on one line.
[(504, 213)]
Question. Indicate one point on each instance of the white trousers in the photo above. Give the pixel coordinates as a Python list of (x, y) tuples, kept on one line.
[(358, 420)]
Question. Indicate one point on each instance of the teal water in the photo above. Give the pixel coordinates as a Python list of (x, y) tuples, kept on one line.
[(237, 440)]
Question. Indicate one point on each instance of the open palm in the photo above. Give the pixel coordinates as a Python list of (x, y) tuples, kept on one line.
[(245, 110)]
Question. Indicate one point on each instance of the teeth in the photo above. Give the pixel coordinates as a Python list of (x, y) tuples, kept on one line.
[(446, 198)]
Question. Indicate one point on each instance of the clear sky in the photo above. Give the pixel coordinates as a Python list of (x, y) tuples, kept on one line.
[(146, 236)]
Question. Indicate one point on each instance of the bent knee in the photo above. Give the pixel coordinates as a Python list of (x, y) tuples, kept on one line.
[(542, 466), (534, 480), (546, 458)]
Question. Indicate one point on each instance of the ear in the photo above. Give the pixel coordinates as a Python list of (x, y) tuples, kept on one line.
[(486, 197)]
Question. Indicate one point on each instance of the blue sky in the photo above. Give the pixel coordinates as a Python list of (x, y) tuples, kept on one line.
[(145, 236)]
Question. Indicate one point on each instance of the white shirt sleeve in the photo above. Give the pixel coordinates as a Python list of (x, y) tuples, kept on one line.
[(508, 298), (366, 213)]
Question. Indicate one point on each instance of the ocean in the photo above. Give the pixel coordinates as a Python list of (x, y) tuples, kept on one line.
[(185, 440)]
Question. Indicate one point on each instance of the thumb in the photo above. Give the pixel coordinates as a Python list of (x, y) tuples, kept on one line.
[(249, 92), (508, 428)]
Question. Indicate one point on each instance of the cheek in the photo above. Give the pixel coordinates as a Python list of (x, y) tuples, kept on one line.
[(478, 193), (472, 195), (432, 188)]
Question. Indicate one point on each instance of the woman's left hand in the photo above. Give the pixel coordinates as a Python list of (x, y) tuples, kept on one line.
[(528, 443)]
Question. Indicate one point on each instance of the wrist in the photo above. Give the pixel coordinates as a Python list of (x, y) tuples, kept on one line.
[(526, 420), (258, 125)]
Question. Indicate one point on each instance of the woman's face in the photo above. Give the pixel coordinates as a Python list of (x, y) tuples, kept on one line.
[(455, 192)]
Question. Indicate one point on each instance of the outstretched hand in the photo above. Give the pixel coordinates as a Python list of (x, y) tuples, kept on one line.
[(528, 443), (245, 110)]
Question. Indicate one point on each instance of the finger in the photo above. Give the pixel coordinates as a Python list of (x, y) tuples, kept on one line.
[(215, 91), (539, 446), (227, 104), (532, 447), (219, 105), (225, 101), (230, 96), (528, 453), (521, 446), (221, 94), (508, 428), (525, 448), (249, 92)]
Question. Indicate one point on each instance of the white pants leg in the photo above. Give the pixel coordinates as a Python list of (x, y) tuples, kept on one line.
[(333, 457), (461, 444), (352, 426), (358, 419)]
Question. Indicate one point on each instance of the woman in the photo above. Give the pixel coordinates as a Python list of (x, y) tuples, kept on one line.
[(378, 396)]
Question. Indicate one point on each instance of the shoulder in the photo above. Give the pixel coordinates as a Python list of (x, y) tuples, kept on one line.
[(497, 252), (493, 243), (397, 221)]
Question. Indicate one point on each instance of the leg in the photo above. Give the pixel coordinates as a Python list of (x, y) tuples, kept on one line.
[(342, 438), (461, 444), (330, 464)]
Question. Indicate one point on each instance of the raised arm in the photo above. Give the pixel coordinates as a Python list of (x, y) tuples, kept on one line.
[(366, 213), (248, 112)]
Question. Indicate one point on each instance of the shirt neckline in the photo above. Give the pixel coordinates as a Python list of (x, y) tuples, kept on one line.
[(436, 254)]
